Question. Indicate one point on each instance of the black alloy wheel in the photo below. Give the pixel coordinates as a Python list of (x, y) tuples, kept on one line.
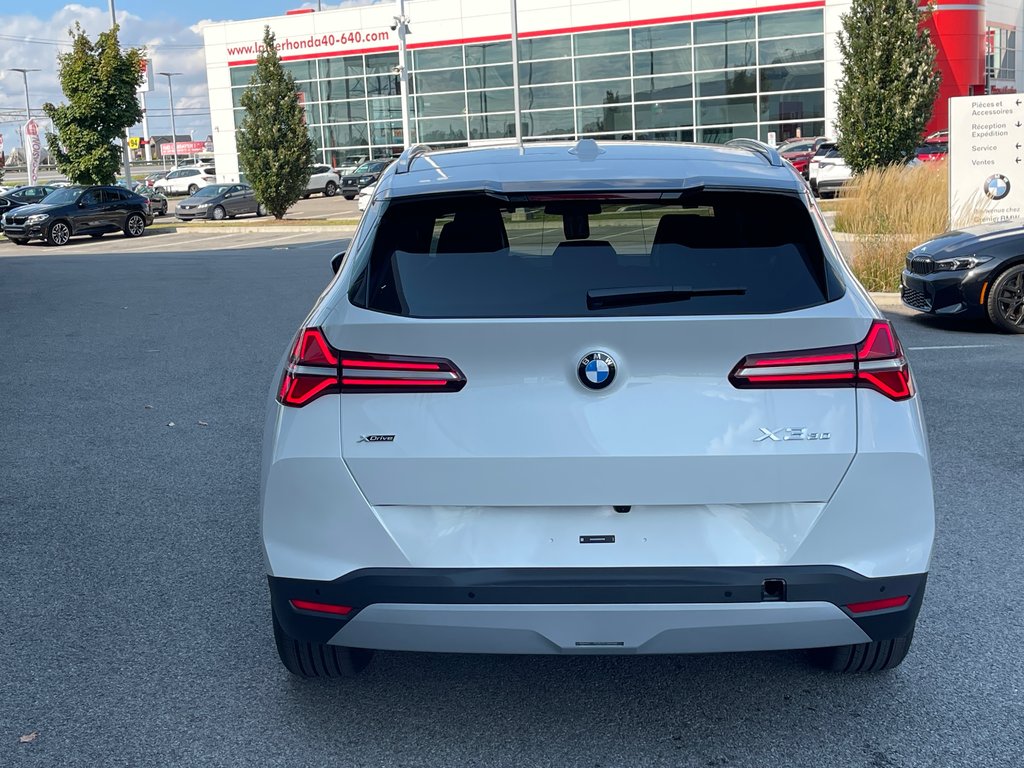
[(1006, 300)]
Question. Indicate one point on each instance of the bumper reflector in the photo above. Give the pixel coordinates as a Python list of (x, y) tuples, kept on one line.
[(306, 605), (878, 605)]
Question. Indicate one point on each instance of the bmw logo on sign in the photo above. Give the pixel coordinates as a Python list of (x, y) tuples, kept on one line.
[(997, 186), (596, 370)]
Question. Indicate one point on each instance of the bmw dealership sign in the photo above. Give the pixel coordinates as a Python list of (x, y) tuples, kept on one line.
[(986, 158)]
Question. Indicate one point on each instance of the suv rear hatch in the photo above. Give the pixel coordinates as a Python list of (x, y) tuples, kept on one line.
[(516, 293)]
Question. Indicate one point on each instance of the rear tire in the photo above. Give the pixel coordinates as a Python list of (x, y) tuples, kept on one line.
[(18, 240), (330, 189), (134, 225), (192, 189), (313, 660), (877, 656), (349, 197), (1005, 302)]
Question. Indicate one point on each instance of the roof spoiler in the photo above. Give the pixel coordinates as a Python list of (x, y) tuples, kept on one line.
[(404, 163), (768, 153)]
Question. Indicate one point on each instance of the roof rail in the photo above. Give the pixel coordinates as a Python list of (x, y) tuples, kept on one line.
[(768, 153), (405, 159)]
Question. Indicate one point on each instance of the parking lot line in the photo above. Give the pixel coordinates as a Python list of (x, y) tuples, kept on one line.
[(954, 346)]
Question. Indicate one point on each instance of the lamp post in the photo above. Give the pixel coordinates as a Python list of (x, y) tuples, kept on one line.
[(28, 116), (170, 96), (124, 146), (402, 27)]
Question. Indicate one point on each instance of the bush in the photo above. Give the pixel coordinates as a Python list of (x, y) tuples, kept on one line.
[(891, 210)]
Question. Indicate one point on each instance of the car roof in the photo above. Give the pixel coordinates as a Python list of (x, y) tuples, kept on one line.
[(588, 165)]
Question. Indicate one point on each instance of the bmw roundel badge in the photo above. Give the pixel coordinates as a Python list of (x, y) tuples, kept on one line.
[(596, 370)]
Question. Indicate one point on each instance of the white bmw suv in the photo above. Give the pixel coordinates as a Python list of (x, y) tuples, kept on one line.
[(594, 399)]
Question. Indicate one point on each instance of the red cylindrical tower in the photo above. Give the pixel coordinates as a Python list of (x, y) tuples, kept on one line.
[(958, 31)]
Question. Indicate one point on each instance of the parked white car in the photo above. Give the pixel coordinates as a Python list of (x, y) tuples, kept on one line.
[(186, 181), (323, 179), (828, 171), (365, 195), (515, 423)]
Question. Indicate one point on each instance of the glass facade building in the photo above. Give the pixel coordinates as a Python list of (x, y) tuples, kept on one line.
[(707, 81)]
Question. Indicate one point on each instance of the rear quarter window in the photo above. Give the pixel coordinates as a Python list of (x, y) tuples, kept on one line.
[(710, 253)]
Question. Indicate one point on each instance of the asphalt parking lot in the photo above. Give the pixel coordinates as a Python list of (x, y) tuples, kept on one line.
[(136, 626)]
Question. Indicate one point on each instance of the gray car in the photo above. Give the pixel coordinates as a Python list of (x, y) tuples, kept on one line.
[(219, 201)]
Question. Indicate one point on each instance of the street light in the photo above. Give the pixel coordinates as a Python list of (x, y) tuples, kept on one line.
[(124, 144), (28, 116), (170, 96)]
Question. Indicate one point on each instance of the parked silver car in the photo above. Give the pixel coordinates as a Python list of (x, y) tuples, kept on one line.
[(219, 201)]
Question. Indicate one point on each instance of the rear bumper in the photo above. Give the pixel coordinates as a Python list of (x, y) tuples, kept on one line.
[(596, 610)]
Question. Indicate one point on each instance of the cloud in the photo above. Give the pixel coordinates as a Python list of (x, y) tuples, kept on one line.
[(34, 42)]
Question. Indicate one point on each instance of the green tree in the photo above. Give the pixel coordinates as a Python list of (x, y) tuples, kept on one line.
[(274, 148), (99, 81), (889, 82)]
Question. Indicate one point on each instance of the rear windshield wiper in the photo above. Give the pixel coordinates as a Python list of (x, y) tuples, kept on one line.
[(608, 298)]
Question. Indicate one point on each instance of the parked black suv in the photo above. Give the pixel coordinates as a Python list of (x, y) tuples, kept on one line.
[(22, 196), (71, 211), (364, 175)]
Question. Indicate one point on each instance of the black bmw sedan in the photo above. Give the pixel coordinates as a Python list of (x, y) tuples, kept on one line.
[(71, 211), (972, 272)]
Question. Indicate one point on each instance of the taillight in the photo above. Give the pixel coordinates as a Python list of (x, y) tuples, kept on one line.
[(877, 363), (315, 368)]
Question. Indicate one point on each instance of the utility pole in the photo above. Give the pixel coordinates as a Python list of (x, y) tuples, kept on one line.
[(516, 107), (170, 96), (127, 132), (402, 25), (28, 116)]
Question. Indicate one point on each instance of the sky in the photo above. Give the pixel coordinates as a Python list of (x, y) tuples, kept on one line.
[(33, 33)]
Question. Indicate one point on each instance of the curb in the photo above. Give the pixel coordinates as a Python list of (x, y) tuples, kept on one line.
[(268, 229)]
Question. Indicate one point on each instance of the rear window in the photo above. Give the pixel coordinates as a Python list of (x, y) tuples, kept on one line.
[(562, 256)]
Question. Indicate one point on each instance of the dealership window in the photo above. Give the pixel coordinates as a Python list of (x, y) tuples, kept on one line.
[(242, 75), (723, 56), (489, 77), (383, 85), (721, 111), (612, 41), (439, 81), (664, 88), (341, 66), (540, 72), (381, 63), (615, 119), (725, 133), (784, 131), (344, 111), (546, 97), (602, 67), (385, 108), (441, 130), (790, 23), (793, 106), (664, 114), (605, 92), (724, 31), (341, 89), (345, 135), (439, 104), (662, 62), (793, 77), (300, 70), (558, 47), (494, 126), (549, 123), (662, 36), (437, 58), (729, 83), (792, 49), (494, 100), (488, 53), (1001, 58)]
